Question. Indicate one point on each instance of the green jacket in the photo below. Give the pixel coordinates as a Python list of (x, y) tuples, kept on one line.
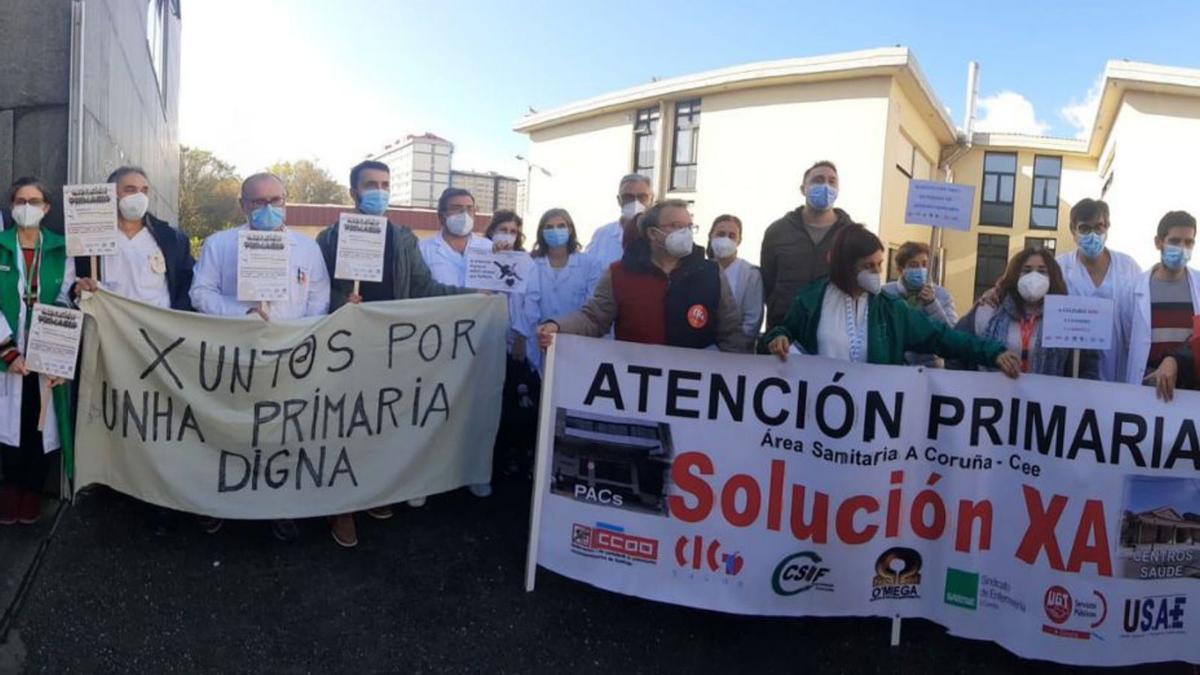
[(50, 280), (892, 329)]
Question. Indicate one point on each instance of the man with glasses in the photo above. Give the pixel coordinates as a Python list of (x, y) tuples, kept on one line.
[(634, 196), (663, 292), (1096, 271), (214, 289)]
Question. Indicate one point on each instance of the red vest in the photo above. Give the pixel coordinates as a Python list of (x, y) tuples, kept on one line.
[(641, 305), (652, 309)]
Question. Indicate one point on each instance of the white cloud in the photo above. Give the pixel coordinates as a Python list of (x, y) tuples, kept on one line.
[(1009, 112), (1081, 114)]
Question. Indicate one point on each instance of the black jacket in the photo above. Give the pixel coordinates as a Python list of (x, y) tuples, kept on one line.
[(791, 260), (177, 253)]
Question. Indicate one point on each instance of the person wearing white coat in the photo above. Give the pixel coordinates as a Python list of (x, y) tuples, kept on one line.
[(745, 280), (1157, 311), (635, 194), (1095, 271), (34, 268), (568, 276)]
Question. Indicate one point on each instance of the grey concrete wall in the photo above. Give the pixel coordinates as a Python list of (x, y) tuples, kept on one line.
[(127, 119)]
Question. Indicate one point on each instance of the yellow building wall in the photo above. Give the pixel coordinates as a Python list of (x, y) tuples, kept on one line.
[(1078, 181)]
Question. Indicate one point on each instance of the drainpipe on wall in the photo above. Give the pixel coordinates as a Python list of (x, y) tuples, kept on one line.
[(962, 145), (75, 96)]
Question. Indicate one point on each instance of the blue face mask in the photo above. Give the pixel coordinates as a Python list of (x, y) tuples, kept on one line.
[(1091, 244), (374, 202), (1175, 257), (821, 196), (915, 278), (556, 236), (267, 218)]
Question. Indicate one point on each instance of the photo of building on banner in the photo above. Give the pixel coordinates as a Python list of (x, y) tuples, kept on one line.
[(1058, 522)]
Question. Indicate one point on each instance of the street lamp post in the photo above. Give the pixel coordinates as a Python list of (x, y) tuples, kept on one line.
[(529, 167)]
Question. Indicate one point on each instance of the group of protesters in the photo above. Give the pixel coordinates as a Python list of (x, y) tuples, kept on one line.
[(643, 278)]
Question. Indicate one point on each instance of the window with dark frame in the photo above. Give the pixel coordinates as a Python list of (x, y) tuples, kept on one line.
[(991, 258), (645, 141), (1047, 174), (999, 188), (687, 138), (1048, 243), (156, 40)]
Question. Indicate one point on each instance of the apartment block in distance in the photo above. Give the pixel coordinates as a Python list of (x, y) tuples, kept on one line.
[(492, 191), (420, 168)]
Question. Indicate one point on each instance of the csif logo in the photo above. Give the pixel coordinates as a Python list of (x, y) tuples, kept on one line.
[(1154, 615), (800, 572), (692, 552)]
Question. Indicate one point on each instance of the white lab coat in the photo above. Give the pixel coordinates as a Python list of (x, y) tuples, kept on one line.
[(1134, 309), (1122, 275), (606, 244), (745, 283), (11, 386), (563, 291)]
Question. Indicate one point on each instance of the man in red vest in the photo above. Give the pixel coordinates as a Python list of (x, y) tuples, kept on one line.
[(663, 291)]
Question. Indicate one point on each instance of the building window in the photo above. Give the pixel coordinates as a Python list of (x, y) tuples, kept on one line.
[(687, 138), (1107, 185), (645, 142), (1047, 172), (991, 258), (892, 273), (999, 186), (156, 40), (1048, 243)]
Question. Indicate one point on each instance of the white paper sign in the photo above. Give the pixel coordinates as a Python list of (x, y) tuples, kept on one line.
[(90, 219), (499, 271), (1076, 322), (360, 244), (263, 266), (939, 204), (54, 340)]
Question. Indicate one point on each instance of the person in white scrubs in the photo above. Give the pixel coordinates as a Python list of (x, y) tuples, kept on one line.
[(635, 194), (567, 276), (1093, 270), (745, 280)]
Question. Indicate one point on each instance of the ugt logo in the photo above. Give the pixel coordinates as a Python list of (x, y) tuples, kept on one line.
[(697, 554)]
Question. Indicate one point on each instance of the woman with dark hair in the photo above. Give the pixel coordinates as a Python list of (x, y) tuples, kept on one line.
[(34, 268), (846, 317), (1031, 275), (745, 280), (566, 275), (915, 288)]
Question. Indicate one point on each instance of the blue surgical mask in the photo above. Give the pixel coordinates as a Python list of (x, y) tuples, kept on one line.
[(821, 196), (915, 278), (1092, 244), (1175, 257), (558, 236), (267, 218), (374, 202)]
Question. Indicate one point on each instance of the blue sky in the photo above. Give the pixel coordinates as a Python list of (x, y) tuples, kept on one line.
[(1144, 493), (289, 79)]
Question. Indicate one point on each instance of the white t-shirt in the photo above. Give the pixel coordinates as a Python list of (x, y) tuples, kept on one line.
[(137, 270)]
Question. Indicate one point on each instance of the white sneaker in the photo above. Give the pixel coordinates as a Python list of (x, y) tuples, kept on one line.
[(417, 503), (481, 489)]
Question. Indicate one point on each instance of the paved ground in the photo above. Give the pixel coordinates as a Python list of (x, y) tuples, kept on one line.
[(437, 589)]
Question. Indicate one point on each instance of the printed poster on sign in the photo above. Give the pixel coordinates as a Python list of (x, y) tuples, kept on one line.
[(1055, 520), (53, 343), (939, 204), (507, 271), (360, 244), (1076, 322), (263, 266), (90, 219)]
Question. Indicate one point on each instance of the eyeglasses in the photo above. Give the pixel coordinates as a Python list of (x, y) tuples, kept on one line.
[(460, 208), (20, 201), (261, 202), (669, 229)]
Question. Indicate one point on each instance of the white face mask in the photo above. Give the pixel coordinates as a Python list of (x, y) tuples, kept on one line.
[(28, 215), (460, 224), (869, 281), (1033, 286), (134, 206), (679, 243), (723, 247), (633, 208), (504, 238)]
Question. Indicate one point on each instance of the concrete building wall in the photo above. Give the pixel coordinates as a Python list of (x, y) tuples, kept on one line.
[(420, 169)]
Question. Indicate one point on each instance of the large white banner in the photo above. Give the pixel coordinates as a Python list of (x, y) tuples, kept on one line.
[(374, 404), (1057, 518)]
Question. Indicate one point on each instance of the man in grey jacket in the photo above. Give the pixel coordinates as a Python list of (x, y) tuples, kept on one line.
[(405, 274)]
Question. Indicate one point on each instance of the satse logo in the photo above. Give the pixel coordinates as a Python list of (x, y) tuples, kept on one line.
[(800, 572), (612, 542), (1154, 615), (691, 552)]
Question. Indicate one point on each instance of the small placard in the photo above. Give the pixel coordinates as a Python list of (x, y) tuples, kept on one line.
[(263, 266), (90, 219), (939, 204), (1076, 322), (360, 244), (507, 271), (53, 343)]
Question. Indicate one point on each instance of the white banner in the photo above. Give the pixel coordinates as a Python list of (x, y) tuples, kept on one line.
[(1060, 521), (374, 404)]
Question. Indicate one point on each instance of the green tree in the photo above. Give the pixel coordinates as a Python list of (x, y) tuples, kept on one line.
[(309, 183), (208, 193)]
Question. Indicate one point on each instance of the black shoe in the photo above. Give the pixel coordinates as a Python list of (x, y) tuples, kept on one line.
[(285, 530), (209, 525)]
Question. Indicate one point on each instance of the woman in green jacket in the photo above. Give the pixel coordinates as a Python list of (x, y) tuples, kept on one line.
[(33, 268), (846, 317)]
